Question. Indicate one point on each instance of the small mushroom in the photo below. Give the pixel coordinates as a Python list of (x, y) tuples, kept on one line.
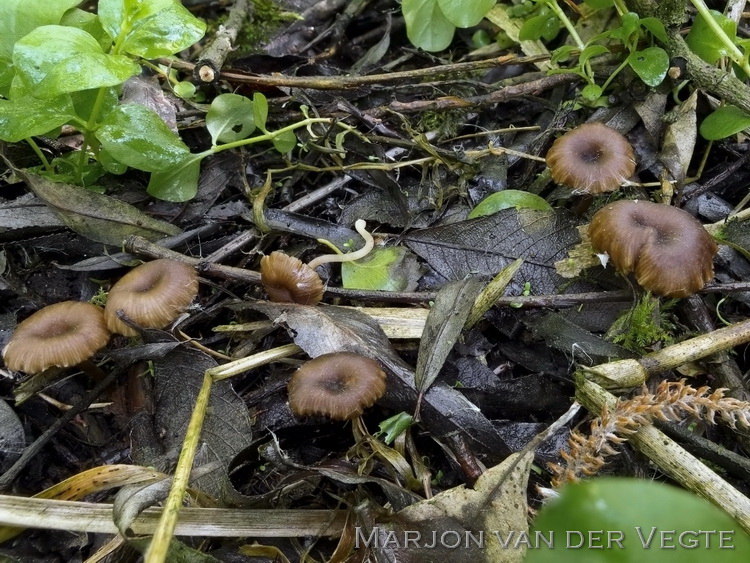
[(592, 158), (151, 295), (667, 249), (289, 280), (63, 335), (339, 385)]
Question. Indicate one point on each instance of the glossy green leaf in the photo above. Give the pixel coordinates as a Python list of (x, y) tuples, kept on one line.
[(651, 65), (285, 142), (179, 183), (723, 122), (40, 51), (184, 89), (260, 111), (119, 16), (89, 23), (380, 270), (591, 92), (230, 118), (705, 43), (167, 32), (86, 72), (607, 520), (465, 14), (426, 26), (509, 198), (138, 137), (19, 17), (592, 51), (628, 26), (28, 117)]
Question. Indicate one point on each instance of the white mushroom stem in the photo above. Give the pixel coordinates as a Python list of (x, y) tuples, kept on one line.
[(361, 253)]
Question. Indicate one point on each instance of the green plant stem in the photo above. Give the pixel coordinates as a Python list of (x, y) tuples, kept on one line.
[(617, 71), (567, 23), (734, 52), (39, 153), (621, 8), (270, 136)]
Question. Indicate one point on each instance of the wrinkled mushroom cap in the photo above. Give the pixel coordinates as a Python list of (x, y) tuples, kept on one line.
[(591, 158), (151, 295), (339, 385), (667, 249), (64, 334), (288, 280)]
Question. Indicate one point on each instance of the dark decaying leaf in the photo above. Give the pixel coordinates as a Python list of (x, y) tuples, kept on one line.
[(443, 326), (12, 436), (226, 431), (321, 330), (96, 216), (488, 244), (27, 212)]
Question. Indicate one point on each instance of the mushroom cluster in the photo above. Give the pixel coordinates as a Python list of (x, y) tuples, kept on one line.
[(666, 248), (338, 385), (592, 158), (69, 333)]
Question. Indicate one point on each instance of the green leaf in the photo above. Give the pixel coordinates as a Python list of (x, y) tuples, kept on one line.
[(562, 53), (167, 32), (285, 142), (260, 111), (19, 17), (179, 183), (592, 51), (86, 71), (89, 23), (656, 28), (184, 89), (380, 270), (28, 117), (426, 26), (119, 16), (230, 118), (544, 26), (723, 122), (628, 26), (599, 4), (705, 43), (591, 92), (654, 522), (651, 65), (465, 14), (509, 198), (138, 137), (37, 54)]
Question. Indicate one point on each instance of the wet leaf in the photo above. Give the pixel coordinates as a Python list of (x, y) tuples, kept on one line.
[(96, 216), (443, 326), (28, 117), (178, 183), (650, 65), (465, 14), (12, 436), (164, 33), (486, 245), (138, 137), (85, 72), (723, 122)]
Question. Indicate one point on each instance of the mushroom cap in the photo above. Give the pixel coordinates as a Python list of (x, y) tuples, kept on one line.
[(64, 334), (339, 385), (591, 158), (667, 249), (151, 295), (288, 280)]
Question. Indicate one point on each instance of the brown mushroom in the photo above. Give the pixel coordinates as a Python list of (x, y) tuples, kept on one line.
[(339, 385), (151, 295), (592, 158), (289, 280), (667, 249), (63, 335)]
